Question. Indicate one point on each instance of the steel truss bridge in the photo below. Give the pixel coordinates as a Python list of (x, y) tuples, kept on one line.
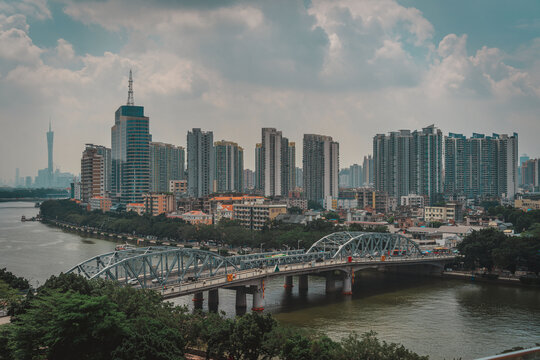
[(181, 271)]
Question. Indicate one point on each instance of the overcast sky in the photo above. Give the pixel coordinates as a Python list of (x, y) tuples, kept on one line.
[(348, 69)]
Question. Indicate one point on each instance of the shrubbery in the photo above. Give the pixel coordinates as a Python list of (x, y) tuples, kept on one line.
[(72, 318)]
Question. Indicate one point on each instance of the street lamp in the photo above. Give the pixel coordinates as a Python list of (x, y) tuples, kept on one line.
[(261, 247), (298, 244)]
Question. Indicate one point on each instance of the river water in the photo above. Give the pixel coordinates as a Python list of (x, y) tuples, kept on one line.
[(442, 318)]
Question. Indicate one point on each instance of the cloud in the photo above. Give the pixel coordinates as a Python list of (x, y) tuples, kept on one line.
[(349, 69), (34, 8)]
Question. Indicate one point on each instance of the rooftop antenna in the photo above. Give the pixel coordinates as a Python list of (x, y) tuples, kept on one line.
[(130, 101)]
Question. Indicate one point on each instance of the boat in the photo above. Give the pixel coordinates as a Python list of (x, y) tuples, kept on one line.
[(23, 218), (125, 246)]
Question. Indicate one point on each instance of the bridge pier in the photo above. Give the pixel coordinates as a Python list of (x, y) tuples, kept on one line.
[(288, 282), (303, 283), (198, 300), (347, 283), (241, 298), (258, 297), (213, 297), (330, 283)]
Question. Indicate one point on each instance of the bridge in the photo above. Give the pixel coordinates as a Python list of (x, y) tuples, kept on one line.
[(175, 271)]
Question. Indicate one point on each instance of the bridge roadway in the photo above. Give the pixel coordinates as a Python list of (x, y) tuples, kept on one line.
[(179, 271), (253, 280)]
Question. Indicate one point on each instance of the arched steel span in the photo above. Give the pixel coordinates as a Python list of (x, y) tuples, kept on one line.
[(356, 244), (151, 266)]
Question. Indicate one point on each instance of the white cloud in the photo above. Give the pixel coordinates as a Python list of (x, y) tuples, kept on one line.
[(350, 69)]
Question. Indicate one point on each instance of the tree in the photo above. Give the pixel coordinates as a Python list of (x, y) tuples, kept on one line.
[(369, 347), (294, 210), (249, 334), (69, 325), (477, 247)]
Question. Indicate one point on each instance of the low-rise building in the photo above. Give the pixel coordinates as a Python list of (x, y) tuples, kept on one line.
[(527, 204), (100, 203), (136, 207), (255, 216), (197, 217), (178, 186), (223, 212), (297, 202), (440, 213), (412, 200), (159, 203)]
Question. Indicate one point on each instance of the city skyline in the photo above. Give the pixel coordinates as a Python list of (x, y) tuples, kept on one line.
[(417, 64)]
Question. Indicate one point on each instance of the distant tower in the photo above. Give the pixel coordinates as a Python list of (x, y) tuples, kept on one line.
[(130, 101), (50, 138)]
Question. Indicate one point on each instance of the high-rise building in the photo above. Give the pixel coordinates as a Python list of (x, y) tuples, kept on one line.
[(258, 168), (249, 179), (405, 162), (92, 174), (17, 178), (50, 140), (105, 152), (274, 163), (229, 166), (130, 138), (166, 164), (291, 166), (522, 159), (321, 167), (367, 170), (454, 164), (299, 177), (288, 164), (356, 177), (481, 165), (200, 162), (530, 174)]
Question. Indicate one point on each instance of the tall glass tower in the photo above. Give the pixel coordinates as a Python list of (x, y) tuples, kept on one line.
[(130, 140), (50, 139)]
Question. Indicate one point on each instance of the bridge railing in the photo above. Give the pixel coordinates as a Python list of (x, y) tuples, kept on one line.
[(204, 283)]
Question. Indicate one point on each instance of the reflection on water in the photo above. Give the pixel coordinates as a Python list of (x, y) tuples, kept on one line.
[(438, 317)]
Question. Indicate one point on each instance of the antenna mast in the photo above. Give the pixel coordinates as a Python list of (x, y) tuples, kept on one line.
[(130, 101)]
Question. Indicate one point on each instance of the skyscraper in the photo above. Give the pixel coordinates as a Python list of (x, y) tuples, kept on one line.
[(258, 168), (107, 164), (321, 167), (288, 164), (367, 170), (408, 163), (356, 178), (530, 174), (523, 158), (166, 163), (481, 165), (200, 163), (273, 159), (130, 138), (229, 166), (50, 140), (92, 174)]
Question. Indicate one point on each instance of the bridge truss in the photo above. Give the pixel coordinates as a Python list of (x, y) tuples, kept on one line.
[(150, 267), (362, 244)]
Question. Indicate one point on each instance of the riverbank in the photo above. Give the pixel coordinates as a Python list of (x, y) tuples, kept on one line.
[(127, 238), (472, 276)]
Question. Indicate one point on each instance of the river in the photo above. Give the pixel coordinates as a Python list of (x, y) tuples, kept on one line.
[(442, 318)]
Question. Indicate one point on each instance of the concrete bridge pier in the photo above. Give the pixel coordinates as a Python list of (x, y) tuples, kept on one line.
[(213, 298), (241, 298), (288, 282), (198, 300), (303, 283), (347, 283), (258, 297), (330, 283)]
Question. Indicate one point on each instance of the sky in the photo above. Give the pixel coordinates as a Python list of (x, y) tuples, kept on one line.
[(346, 68)]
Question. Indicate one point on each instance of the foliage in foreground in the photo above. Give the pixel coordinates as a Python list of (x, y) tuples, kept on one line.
[(72, 318)]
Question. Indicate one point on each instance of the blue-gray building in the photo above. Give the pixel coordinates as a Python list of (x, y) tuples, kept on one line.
[(130, 140)]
